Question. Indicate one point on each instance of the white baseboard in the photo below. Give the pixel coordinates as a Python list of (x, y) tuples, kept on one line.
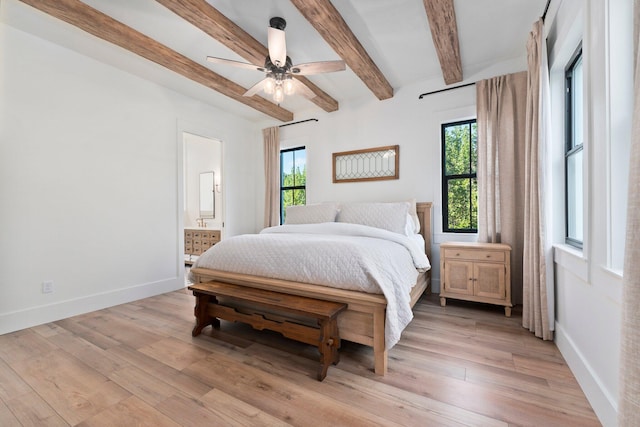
[(602, 402), (33, 316)]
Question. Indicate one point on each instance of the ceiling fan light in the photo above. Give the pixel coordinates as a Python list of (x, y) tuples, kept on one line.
[(269, 85), (288, 86), (278, 94), (277, 46)]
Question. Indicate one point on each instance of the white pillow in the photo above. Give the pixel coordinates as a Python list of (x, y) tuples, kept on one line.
[(409, 226), (311, 214), (388, 216), (414, 216)]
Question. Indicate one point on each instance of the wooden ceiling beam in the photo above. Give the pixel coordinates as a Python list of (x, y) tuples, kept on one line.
[(444, 31), (106, 28), (329, 23), (210, 20)]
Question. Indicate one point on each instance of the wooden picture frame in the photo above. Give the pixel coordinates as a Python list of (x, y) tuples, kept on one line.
[(371, 164)]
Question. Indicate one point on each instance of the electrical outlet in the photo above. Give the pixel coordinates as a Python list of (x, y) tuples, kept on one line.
[(47, 287)]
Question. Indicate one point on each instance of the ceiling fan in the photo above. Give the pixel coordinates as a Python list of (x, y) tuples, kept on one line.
[(279, 80)]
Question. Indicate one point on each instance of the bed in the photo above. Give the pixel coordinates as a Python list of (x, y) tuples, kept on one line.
[(365, 321)]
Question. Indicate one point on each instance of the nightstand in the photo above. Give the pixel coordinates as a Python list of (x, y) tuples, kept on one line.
[(479, 272)]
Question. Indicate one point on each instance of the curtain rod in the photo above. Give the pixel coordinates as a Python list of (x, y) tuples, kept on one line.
[(295, 123), (546, 9), (444, 90)]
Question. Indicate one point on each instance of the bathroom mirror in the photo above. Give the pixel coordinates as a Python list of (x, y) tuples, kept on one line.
[(207, 195)]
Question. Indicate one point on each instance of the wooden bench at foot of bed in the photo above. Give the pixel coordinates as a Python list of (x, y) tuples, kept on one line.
[(303, 319), (363, 321)]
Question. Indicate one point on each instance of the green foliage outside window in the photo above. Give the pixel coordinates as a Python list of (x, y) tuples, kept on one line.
[(293, 179), (459, 182)]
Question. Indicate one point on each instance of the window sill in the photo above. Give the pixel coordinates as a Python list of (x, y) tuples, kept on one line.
[(571, 259), (454, 237), (613, 272)]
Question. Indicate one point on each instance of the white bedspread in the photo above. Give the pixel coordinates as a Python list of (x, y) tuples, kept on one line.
[(340, 255)]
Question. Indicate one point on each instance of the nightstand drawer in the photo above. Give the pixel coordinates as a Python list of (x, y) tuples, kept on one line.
[(474, 255)]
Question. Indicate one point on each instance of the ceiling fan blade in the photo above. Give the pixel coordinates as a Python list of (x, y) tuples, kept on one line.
[(235, 63), (277, 46), (255, 88), (302, 89), (317, 68)]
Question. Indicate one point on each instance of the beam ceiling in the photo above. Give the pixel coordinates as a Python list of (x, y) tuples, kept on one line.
[(329, 23), (103, 26), (444, 31)]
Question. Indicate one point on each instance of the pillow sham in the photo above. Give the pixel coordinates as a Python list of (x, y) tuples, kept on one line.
[(409, 226), (311, 214), (414, 216), (388, 216)]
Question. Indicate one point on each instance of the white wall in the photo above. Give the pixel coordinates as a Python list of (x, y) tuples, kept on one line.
[(589, 282), (91, 181)]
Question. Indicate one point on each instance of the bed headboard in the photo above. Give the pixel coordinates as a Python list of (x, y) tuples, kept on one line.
[(424, 215)]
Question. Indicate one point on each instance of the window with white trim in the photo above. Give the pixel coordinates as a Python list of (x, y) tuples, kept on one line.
[(574, 138)]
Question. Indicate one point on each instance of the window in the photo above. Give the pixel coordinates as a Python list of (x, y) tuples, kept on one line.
[(459, 182), (293, 179), (573, 151)]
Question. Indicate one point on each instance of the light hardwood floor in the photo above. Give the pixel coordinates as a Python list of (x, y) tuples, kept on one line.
[(137, 364)]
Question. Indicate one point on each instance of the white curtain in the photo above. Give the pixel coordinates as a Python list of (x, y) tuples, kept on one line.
[(537, 263), (629, 400), (271, 138), (501, 124)]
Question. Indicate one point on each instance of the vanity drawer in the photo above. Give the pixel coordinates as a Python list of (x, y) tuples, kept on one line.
[(197, 241)]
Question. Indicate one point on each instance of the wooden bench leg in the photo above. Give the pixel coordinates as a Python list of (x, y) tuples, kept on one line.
[(326, 349), (328, 345), (201, 311), (335, 344)]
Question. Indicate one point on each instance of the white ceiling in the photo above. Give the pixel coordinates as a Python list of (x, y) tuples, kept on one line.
[(395, 33)]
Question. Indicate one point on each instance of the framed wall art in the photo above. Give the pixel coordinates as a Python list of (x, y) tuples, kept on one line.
[(371, 164)]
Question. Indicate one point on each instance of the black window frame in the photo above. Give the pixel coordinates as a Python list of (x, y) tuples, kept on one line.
[(571, 149), (288, 188), (446, 178)]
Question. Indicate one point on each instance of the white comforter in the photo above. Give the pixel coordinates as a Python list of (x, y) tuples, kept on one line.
[(340, 255)]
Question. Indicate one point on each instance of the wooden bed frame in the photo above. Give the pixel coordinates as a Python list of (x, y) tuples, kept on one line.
[(364, 320)]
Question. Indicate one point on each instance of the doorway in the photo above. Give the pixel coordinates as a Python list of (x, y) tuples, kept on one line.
[(203, 217)]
